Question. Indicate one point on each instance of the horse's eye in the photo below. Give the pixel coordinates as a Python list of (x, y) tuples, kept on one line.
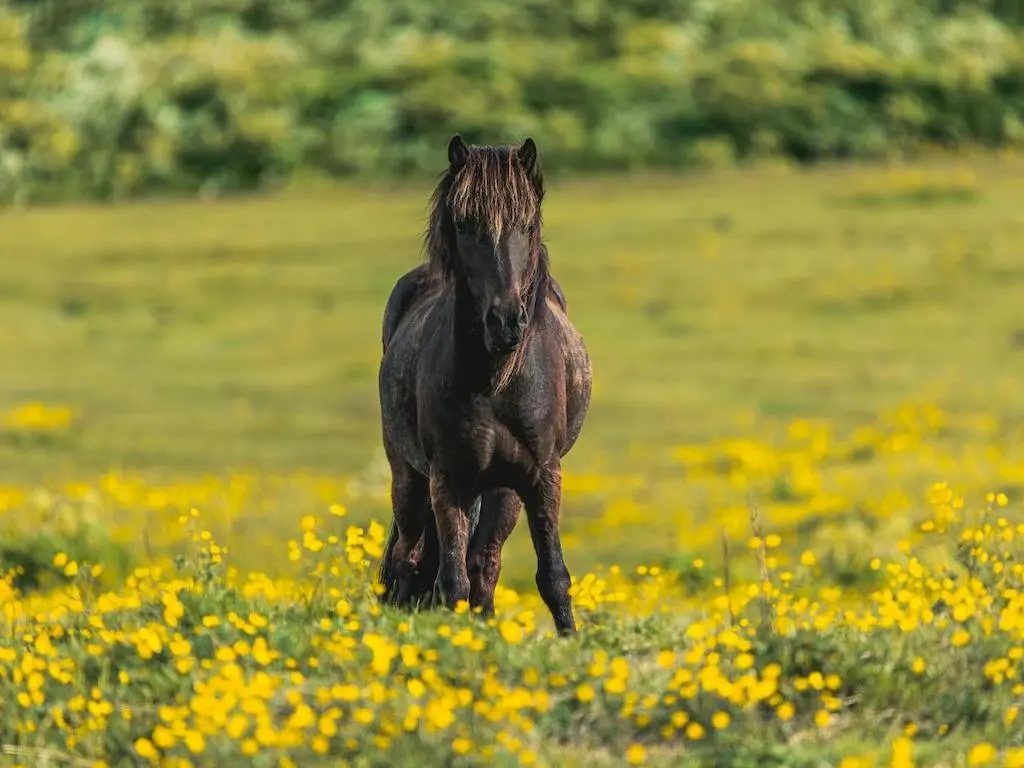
[(460, 226)]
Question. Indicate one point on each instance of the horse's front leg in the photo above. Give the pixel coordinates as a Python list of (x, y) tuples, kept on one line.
[(499, 512), (451, 508), (543, 500)]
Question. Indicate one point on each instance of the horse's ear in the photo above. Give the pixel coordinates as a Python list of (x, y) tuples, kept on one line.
[(457, 152), (530, 160), (528, 156)]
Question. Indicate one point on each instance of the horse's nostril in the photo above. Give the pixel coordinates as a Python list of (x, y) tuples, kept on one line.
[(521, 319)]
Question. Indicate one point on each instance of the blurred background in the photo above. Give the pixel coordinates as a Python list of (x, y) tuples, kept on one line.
[(790, 232)]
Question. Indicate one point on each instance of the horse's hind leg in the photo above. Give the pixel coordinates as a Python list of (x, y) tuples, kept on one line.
[(420, 590), (543, 503), (405, 558), (499, 512)]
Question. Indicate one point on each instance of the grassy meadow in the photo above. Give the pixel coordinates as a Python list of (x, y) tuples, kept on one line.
[(793, 517)]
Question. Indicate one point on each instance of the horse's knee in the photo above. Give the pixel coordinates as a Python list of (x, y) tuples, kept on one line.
[(479, 562), (484, 568)]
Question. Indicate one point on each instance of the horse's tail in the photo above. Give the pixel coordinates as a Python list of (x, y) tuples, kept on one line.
[(386, 576)]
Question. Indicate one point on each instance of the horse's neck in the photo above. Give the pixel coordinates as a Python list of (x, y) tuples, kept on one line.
[(471, 360), (466, 324)]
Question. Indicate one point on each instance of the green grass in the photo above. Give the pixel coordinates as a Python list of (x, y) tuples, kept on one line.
[(197, 336), (201, 337)]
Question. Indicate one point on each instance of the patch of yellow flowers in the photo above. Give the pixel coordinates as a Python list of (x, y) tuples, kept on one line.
[(199, 664), (37, 418), (913, 643)]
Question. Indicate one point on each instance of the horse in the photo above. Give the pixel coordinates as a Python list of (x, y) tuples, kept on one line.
[(484, 387)]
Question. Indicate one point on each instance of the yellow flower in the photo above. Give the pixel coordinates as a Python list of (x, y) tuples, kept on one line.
[(615, 685), (902, 750), (511, 632), (146, 749), (636, 754), (194, 742), (163, 737), (585, 693), (981, 754), (666, 659), (439, 714), (720, 720)]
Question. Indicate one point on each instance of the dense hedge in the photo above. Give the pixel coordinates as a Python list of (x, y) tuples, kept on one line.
[(102, 98)]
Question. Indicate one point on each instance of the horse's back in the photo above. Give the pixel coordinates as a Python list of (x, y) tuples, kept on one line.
[(410, 287)]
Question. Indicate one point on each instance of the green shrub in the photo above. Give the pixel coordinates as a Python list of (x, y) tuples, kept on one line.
[(108, 98)]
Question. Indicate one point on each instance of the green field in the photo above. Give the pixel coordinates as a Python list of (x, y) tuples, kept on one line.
[(795, 354), (210, 337), (206, 336)]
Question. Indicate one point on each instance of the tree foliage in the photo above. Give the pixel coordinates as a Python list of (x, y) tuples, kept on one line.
[(114, 98)]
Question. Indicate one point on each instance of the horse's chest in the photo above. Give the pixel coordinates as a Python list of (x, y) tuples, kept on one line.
[(513, 432)]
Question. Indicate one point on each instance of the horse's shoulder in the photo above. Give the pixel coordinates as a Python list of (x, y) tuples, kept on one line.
[(563, 325)]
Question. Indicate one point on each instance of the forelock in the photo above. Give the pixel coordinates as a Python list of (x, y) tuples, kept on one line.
[(494, 191)]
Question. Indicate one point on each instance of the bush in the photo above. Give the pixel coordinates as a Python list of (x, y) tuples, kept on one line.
[(109, 98)]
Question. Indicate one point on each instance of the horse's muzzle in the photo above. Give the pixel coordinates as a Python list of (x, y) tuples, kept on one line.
[(504, 330)]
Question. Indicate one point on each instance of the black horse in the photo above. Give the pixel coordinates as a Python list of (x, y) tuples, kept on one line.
[(484, 387)]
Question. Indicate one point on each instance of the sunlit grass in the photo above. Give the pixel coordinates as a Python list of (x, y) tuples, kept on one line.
[(793, 518), (914, 185), (197, 337)]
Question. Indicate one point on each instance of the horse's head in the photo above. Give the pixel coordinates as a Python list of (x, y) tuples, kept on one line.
[(486, 228)]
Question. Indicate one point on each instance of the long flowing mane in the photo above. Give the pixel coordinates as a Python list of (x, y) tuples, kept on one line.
[(495, 191)]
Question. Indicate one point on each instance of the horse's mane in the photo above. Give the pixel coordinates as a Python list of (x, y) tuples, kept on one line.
[(493, 189)]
